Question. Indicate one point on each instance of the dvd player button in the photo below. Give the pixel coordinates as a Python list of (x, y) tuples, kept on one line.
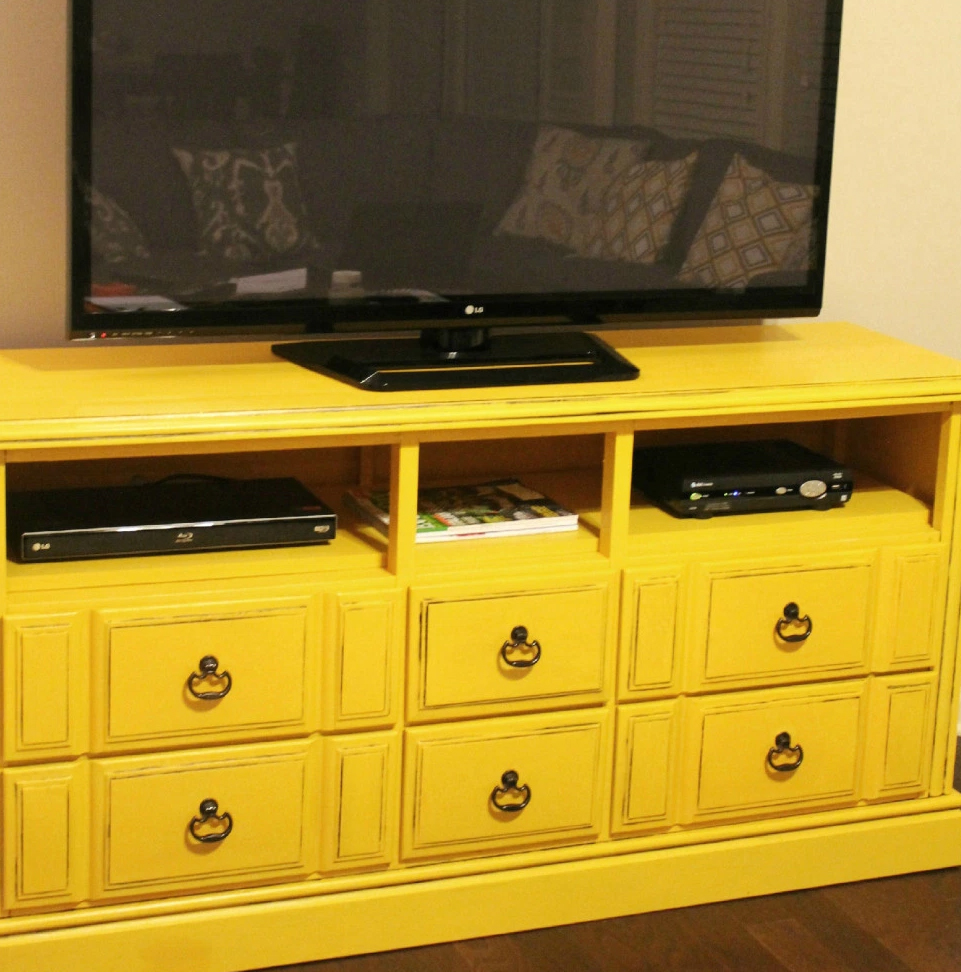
[(813, 488)]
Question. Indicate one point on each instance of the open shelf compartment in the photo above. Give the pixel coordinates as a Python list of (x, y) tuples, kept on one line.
[(895, 462), (326, 472)]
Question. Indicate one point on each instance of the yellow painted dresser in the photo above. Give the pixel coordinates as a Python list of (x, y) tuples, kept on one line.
[(239, 759)]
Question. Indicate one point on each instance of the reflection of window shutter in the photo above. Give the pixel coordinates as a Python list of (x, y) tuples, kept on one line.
[(804, 65), (577, 61), (710, 61)]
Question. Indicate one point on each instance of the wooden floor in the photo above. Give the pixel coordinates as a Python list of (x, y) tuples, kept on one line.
[(902, 924)]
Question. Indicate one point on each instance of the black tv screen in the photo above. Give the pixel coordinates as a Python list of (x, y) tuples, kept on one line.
[(312, 166)]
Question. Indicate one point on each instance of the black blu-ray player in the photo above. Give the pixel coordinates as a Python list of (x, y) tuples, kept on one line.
[(174, 515), (718, 478)]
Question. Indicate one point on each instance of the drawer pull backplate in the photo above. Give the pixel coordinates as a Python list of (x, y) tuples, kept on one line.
[(208, 811), (517, 640), (782, 747), (509, 785), (208, 669)]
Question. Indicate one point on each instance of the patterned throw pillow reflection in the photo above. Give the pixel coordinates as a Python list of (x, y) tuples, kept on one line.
[(114, 236), (755, 225), (248, 202), (566, 178), (638, 211)]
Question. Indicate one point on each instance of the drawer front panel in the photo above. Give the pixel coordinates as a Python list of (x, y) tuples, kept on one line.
[(762, 752), (230, 673), (460, 798), (154, 814), (509, 651), (770, 623)]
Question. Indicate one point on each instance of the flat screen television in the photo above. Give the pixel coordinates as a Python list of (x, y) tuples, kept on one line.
[(456, 191)]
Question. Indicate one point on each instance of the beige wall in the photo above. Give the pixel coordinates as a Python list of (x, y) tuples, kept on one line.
[(895, 209), (33, 171), (894, 234)]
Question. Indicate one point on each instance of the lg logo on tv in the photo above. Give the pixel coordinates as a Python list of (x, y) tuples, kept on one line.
[(472, 309)]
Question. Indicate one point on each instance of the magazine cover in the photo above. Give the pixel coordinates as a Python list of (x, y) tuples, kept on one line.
[(503, 508)]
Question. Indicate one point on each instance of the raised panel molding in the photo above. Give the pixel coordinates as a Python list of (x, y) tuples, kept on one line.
[(362, 808), (45, 686), (898, 760), (644, 772), (911, 607), (651, 635), (362, 660), (45, 850)]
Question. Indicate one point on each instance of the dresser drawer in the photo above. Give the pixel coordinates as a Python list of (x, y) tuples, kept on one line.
[(491, 652), (225, 671), (782, 621), (202, 819), (485, 787), (757, 753)]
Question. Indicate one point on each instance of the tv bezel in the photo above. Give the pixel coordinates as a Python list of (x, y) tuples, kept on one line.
[(281, 318)]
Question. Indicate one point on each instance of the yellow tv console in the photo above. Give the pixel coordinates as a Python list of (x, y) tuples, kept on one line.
[(374, 773)]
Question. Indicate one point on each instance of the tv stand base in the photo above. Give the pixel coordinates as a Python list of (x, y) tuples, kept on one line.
[(409, 364)]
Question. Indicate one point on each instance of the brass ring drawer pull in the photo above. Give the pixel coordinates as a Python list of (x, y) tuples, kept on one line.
[(791, 617), (518, 639), (208, 811), (208, 669), (508, 786), (782, 747)]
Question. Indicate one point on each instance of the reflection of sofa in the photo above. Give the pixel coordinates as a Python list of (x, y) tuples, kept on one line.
[(442, 204)]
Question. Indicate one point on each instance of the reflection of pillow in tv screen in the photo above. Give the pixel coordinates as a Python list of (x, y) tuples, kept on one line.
[(755, 225), (638, 211), (114, 236), (248, 202), (565, 182), (416, 244)]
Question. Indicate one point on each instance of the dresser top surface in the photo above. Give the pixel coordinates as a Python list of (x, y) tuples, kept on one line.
[(77, 395)]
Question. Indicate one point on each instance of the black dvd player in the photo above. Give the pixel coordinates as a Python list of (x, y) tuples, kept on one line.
[(717, 478), (174, 515)]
